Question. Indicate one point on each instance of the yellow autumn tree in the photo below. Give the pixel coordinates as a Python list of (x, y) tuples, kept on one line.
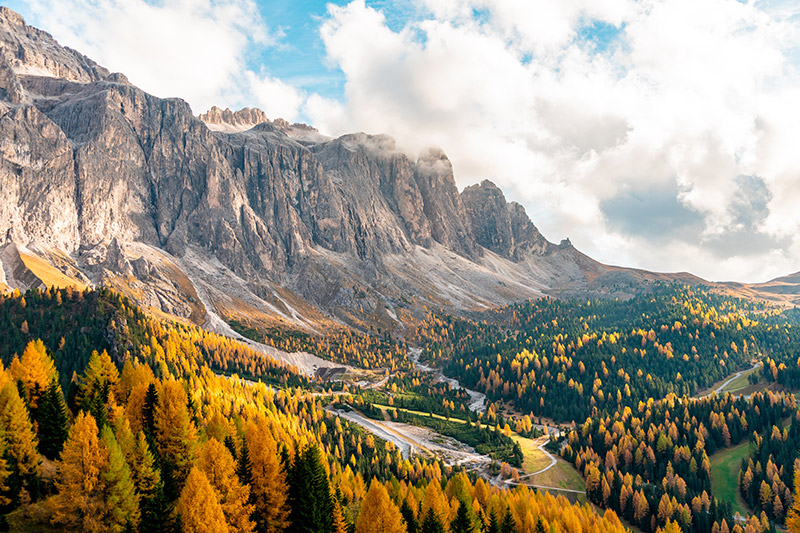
[(79, 502), (198, 506), (339, 525), (176, 435), (219, 467), (100, 371), (670, 527), (5, 472), (269, 490), (16, 426), (378, 512), (35, 369)]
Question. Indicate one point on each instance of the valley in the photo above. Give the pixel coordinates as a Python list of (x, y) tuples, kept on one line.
[(223, 322)]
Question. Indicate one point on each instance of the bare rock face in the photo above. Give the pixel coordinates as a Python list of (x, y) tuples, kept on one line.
[(499, 226), (442, 204), (34, 52), (244, 118), (91, 165)]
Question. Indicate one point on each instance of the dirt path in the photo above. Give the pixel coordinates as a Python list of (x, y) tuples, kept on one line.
[(549, 456), (448, 449), (728, 381), (379, 429)]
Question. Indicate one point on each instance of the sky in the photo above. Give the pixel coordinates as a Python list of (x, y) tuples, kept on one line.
[(660, 134)]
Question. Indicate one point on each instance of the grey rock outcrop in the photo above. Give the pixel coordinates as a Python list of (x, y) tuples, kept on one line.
[(500, 226), (89, 162)]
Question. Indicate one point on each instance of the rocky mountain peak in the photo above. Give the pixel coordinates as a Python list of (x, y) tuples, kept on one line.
[(29, 51), (247, 118), (9, 16), (240, 120), (246, 212), (499, 226)]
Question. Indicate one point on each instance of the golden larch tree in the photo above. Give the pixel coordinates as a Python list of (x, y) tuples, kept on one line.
[(198, 506), (99, 371), (339, 525), (16, 426), (176, 435), (378, 512), (218, 465), (79, 502), (269, 489), (35, 369), (793, 516)]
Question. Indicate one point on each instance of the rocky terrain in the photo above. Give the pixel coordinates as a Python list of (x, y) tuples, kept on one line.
[(272, 222)]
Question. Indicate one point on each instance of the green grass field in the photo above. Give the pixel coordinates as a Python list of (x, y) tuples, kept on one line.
[(533, 459), (563, 475), (740, 384), (725, 466)]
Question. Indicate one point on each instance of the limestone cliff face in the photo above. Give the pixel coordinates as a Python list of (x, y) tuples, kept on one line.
[(500, 226), (90, 165)]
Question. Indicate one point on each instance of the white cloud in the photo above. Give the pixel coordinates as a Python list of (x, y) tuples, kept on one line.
[(639, 142), (274, 97), (192, 49), (690, 96)]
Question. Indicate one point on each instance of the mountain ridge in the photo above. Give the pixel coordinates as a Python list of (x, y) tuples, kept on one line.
[(111, 185)]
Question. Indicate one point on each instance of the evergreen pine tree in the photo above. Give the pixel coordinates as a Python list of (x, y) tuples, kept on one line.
[(461, 523), (244, 468), (231, 445), (156, 511), (148, 412), (408, 516), (96, 404), (53, 419), (509, 525), (119, 494), (431, 524), (309, 492), (493, 526)]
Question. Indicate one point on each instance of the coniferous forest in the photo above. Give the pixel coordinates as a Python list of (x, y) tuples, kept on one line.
[(115, 421), (112, 421)]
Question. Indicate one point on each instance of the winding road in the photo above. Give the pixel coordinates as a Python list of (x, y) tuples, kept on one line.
[(728, 381)]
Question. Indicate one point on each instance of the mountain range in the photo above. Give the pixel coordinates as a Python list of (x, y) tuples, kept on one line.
[(230, 217)]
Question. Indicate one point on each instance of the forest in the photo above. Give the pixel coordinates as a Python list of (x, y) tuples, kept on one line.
[(628, 374), (568, 360), (652, 465), (116, 421), (157, 432)]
